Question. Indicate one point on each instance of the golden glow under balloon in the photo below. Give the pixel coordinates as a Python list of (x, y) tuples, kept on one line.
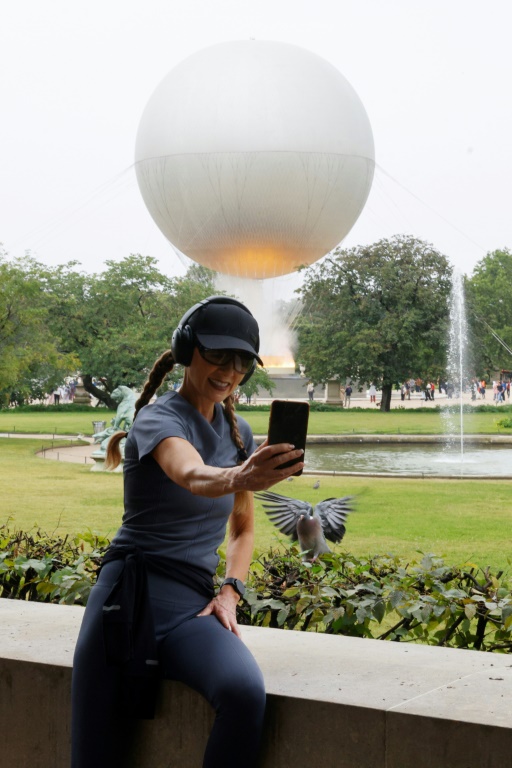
[(279, 364), (250, 261)]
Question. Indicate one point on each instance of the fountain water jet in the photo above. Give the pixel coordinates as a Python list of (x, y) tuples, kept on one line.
[(456, 363)]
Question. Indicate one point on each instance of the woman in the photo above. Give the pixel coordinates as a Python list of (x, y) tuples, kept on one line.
[(190, 468)]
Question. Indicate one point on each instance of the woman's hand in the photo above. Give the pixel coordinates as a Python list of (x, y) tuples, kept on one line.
[(223, 606), (260, 471)]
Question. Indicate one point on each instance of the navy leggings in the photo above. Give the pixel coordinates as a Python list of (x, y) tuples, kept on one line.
[(197, 651)]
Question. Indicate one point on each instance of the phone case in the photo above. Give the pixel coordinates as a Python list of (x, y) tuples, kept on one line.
[(288, 424)]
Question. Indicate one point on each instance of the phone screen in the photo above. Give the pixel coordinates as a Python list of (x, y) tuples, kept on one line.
[(288, 424)]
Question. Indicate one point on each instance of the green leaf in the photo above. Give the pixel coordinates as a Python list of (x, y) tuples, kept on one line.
[(291, 592), (302, 604), (316, 616), (283, 615), (379, 610)]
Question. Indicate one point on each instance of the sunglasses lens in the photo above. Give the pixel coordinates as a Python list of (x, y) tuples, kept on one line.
[(215, 356), (241, 362)]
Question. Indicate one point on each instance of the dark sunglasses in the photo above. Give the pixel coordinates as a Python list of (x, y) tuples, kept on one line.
[(242, 361)]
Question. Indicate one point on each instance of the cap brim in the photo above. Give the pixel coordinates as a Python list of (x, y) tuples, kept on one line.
[(209, 341)]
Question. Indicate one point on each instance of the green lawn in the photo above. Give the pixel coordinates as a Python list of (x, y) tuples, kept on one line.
[(407, 422), (54, 495), (58, 423), (459, 519), (357, 421)]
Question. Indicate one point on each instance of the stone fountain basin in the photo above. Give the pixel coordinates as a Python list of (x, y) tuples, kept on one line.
[(411, 455)]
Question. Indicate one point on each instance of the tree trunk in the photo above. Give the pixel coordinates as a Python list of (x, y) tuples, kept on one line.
[(385, 403), (100, 394)]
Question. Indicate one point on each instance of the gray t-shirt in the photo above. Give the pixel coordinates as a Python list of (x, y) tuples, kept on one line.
[(162, 518)]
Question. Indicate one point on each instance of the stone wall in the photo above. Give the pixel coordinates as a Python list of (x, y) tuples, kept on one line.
[(334, 702)]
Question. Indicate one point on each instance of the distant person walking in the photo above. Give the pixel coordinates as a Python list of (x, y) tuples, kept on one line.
[(348, 395), (373, 393), (56, 396), (311, 391)]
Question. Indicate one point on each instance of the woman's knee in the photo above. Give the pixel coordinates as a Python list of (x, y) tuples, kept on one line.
[(242, 692), (213, 661)]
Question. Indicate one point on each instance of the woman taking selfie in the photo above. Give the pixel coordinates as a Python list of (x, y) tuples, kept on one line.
[(190, 468)]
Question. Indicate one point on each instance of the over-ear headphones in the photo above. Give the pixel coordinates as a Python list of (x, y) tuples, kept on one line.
[(183, 339)]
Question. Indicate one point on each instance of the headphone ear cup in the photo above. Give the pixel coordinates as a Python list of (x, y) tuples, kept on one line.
[(182, 345), (248, 374)]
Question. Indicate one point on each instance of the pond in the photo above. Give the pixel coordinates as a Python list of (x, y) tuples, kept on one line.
[(426, 459)]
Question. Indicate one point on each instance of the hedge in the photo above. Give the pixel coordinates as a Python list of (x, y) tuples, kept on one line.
[(380, 597)]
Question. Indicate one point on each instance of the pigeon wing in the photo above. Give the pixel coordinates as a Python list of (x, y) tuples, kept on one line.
[(284, 511), (333, 515)]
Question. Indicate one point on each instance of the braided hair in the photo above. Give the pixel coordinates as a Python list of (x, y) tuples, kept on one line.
[(242, 503), (159, 371)]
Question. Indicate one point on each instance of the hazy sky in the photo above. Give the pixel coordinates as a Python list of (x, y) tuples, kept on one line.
[(435, 78)]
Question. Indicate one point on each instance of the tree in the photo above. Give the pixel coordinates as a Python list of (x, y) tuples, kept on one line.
[(489, 304), (118, 322), (30, 362), (376, 314), (259, 380)]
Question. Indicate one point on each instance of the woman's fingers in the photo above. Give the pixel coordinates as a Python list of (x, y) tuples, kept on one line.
[(290, 455), (276, 449), (274, 456), (226, 616), (207, 610), (264, 468), (265, 451), (233, 627)]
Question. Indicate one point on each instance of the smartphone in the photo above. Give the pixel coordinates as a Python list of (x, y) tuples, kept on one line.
[(288, 424)]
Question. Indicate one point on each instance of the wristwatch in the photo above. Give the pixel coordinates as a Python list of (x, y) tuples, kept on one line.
[(237, 585)]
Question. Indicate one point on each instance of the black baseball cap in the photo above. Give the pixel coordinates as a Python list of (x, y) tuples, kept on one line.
[(226, 326)]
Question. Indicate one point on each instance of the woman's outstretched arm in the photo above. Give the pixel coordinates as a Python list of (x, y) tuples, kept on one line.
[(183, 464)]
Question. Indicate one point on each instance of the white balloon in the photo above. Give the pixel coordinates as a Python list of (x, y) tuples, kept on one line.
[(254, 157)]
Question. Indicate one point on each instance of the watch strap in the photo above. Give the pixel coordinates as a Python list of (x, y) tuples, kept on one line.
[(237, 585)]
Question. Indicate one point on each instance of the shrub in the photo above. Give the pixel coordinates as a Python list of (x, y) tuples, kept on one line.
[(380, 597), (37, 566), (61, 408), (314, 406)]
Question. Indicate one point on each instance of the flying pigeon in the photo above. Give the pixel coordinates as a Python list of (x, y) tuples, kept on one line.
[(311, 527)]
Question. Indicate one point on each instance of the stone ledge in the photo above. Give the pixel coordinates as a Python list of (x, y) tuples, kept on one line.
[(338, 702)]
